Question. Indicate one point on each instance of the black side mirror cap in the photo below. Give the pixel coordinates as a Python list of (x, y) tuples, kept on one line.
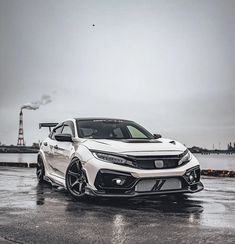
[(157, 136), (64, 137)]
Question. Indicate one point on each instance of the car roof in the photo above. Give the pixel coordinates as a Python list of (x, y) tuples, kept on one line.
[(99, 118)]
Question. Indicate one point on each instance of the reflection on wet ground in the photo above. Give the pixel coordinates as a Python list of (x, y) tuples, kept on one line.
[(40, 213)]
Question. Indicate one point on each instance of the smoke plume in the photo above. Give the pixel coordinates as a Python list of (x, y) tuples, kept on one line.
[(45, 99)]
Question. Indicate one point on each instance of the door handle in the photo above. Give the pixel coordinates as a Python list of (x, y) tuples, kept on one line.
[(45, 143), (56, 147)]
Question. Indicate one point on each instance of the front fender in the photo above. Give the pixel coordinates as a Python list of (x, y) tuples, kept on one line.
[(82, 153)]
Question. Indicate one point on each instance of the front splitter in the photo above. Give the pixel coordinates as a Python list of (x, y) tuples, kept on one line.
[(92, 192)]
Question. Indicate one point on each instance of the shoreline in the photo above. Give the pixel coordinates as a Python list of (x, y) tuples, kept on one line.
[(204, 172), (18, 149)]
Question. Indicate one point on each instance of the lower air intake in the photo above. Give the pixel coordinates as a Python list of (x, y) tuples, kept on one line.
[(145, 185), (158, 185)]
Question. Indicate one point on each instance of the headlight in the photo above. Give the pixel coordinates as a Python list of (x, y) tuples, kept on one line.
[(186, 157), (113, 159)]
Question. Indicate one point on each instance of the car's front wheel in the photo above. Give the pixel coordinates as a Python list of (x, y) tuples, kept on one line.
[(76, 180)]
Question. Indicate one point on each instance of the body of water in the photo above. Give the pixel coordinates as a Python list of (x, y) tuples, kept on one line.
[(212, 161), (18, 157), (216, 161)]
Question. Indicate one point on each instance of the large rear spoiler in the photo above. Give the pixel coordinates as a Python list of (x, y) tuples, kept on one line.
[(49, 125)]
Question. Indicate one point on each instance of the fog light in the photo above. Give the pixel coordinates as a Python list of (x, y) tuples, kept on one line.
[(119, 181), (191, 178)]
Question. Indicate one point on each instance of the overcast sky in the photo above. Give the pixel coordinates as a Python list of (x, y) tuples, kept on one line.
[(168, 65)]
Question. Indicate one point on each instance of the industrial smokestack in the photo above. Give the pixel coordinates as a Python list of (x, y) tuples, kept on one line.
[(21, 132), (45, 99)]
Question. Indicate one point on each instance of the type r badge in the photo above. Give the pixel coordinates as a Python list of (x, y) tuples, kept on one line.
[(159, 164)]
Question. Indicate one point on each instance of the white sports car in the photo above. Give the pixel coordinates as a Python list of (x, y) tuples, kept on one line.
[(115, 158)]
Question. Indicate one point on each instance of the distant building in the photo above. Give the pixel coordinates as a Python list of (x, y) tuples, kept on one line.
[(231, 147), (195, 149), (35, 145)]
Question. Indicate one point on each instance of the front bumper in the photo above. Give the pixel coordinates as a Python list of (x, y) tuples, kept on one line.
[(106, 186), (92, 192)]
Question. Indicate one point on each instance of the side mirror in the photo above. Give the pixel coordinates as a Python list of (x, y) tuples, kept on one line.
[(157, 136), (64, 137)]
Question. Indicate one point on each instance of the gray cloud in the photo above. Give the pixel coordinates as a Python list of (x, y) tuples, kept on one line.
[(169, 65)]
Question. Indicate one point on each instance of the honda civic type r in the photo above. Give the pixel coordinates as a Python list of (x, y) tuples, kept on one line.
[(115, 158)]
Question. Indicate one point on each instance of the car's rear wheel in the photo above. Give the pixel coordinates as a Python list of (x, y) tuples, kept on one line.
[(76, 179), (40, 170)]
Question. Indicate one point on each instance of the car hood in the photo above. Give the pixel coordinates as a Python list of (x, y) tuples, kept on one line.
[(136, 147)]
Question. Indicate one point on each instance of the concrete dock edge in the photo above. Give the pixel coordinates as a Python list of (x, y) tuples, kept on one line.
[(218, 173), (14, 164)]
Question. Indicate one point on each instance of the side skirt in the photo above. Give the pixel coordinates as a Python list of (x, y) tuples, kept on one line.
[(55, 180)]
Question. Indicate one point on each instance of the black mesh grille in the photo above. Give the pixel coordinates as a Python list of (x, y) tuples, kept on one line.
[(146, 162)]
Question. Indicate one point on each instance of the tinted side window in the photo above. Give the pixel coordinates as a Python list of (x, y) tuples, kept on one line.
[(135, 133), (55, 132), (68, 128)]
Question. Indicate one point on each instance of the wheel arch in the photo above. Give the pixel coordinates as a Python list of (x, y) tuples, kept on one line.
[(76, 157), (76, 176), (41, 155)]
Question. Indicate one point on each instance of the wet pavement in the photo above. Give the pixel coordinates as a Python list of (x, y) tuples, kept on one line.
[(32, 213)]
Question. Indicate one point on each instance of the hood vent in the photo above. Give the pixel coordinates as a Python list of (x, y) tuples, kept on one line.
[(141, 141)]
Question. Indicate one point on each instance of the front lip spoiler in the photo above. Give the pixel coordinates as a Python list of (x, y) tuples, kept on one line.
[(92, 192)]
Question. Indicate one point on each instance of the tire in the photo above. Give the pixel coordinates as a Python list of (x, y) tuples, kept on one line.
[(76, 180), (40, 170)]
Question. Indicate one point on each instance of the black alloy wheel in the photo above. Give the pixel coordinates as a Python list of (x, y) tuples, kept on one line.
[(40, 170), (76, 180)]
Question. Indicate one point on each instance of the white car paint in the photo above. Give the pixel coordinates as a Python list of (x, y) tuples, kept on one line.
[(57, 156)]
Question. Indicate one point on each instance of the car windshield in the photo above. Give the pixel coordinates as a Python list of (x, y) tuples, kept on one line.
[(111, 129)]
